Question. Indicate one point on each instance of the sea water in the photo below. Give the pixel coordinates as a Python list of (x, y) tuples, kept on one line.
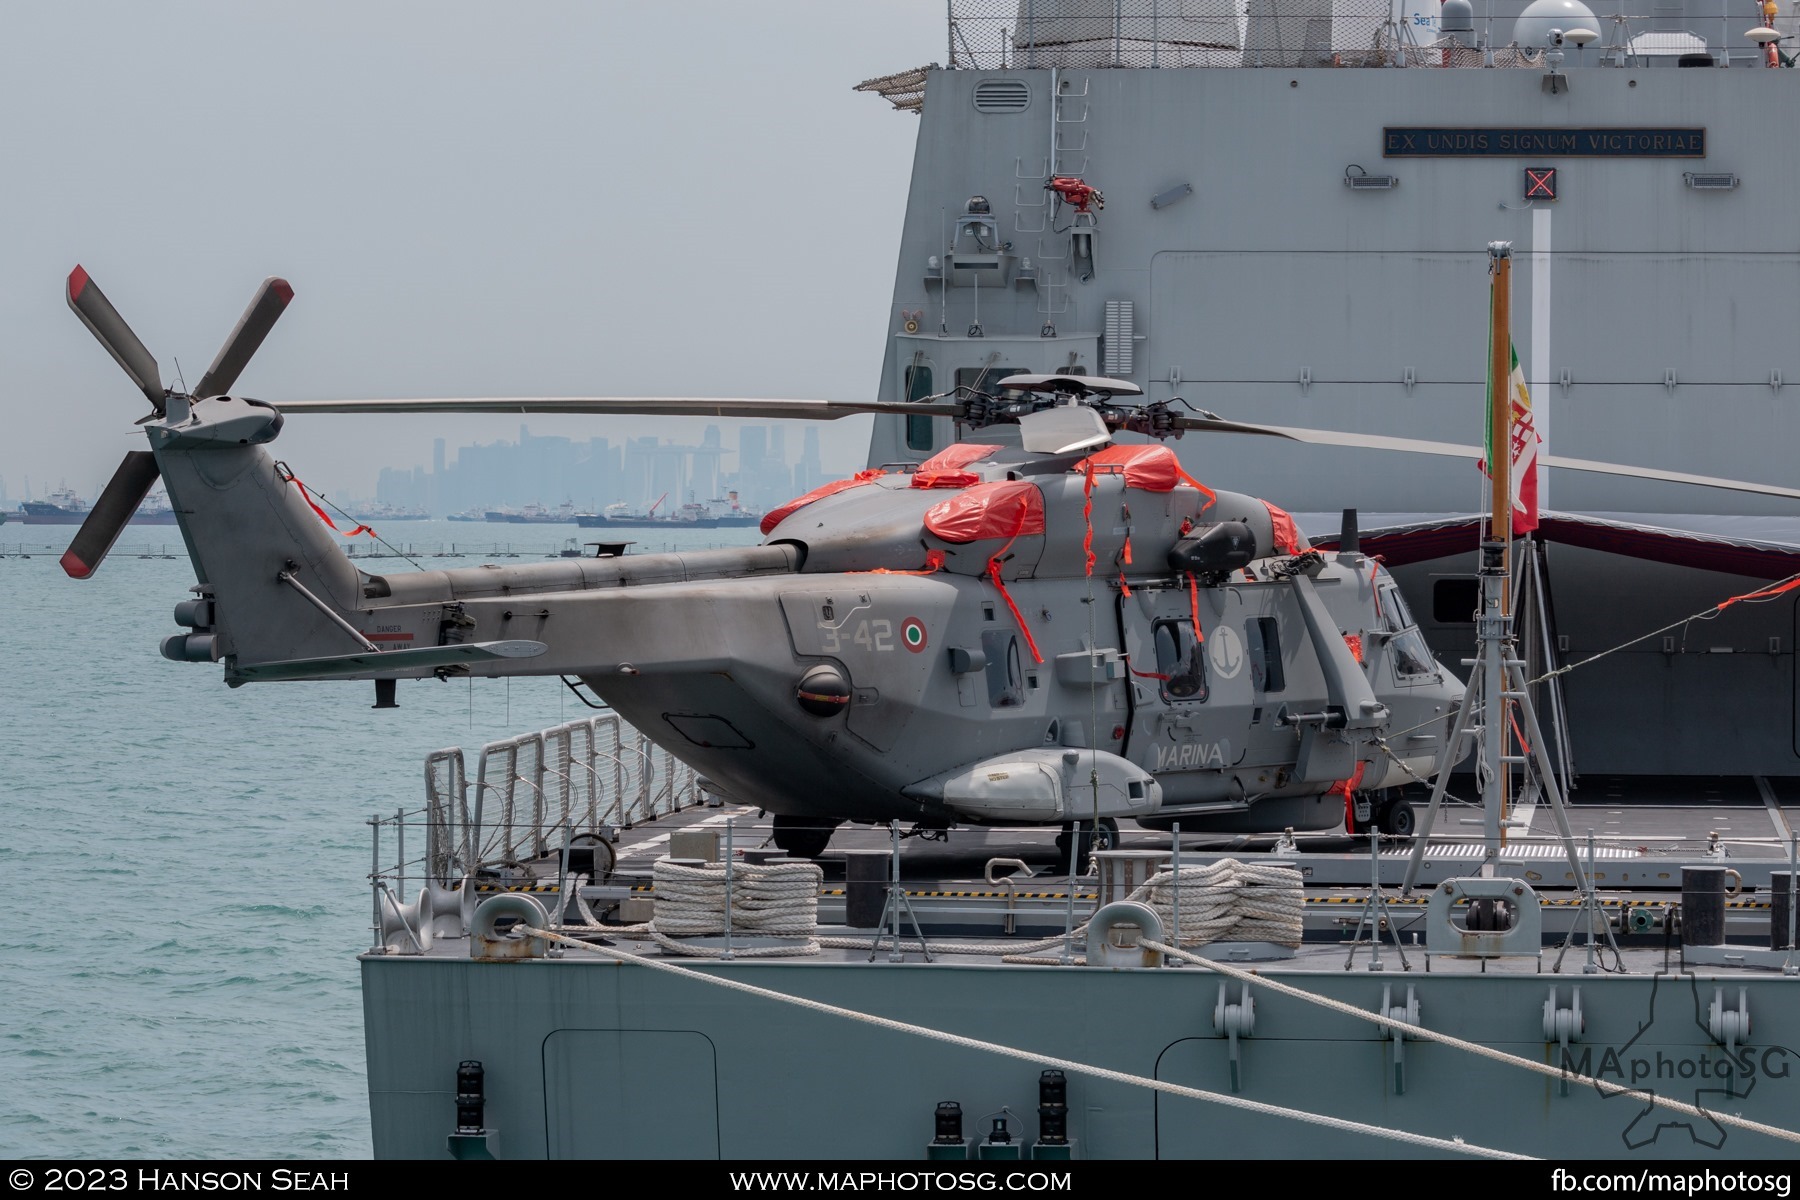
[(185, 865)]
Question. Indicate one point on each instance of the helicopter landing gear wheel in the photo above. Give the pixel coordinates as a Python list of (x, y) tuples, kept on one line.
[(1397, 818), (1108, 837), (803, 837)]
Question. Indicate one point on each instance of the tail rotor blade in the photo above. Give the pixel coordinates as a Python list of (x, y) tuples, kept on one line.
[(105, 323), (107, 519), (270, 301)]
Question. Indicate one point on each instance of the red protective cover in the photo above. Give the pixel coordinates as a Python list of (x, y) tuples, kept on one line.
[(1150, 468), (776, 516), (945, 468), (956, 457), (1287, 535), (1006, 508), (945, 479)]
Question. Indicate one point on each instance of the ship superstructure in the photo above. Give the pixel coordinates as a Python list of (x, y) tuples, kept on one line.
[(1279, 212)]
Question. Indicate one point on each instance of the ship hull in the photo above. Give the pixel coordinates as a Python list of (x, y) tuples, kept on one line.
[(591, 1058), (602, 522), (65, 517)]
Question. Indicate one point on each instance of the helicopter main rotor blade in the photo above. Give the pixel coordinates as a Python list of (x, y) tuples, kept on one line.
[(107, 519), (653, 406), (1705, 481), (1367, 441), (1329, 437), (103, 321), (270, 301)]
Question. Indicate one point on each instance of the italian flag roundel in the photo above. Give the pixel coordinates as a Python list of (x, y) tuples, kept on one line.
[(912, 632)]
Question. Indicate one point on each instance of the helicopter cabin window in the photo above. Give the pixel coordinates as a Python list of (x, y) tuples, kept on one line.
[(1005, 668), (1180, 661), (1411, 655), (918, 427), (1262, 646)]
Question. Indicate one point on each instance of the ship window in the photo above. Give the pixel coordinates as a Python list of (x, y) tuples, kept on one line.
[(1454, 601), (1005, 668), (983, 379), (1262, 642), (918, 428), (1411, 655), (1180, 661)]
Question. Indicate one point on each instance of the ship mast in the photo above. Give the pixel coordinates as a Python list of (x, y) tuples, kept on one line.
[(1494, 623)]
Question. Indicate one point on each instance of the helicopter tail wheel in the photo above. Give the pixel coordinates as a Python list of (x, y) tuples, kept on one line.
[(1106, 837), (1397, 818), (803, 837)]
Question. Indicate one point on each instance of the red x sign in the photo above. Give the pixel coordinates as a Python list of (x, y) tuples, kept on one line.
[(1540, 183)]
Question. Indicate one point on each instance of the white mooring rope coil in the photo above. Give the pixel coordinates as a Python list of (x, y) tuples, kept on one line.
[(773, 900), (1230, 901), (1225, 901)]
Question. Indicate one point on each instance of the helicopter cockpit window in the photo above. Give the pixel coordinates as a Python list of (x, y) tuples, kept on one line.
[(1005, 668), (918, 386), (1262, 646), (1180, 661), (1411, 655)]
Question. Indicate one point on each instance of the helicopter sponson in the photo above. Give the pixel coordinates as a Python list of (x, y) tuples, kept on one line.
[(998, 637)]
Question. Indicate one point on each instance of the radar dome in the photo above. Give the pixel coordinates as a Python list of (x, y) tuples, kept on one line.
[(1532, 29), (1420, 17), (1458, 17)]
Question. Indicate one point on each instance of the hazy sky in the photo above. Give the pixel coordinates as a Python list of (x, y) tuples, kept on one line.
[(469, 199)]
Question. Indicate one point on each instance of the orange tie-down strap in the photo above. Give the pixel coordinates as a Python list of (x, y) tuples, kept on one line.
[(934, 562), (1346, 788), (307, 495), (1000, 584), (1764, 593), (1087, 515)]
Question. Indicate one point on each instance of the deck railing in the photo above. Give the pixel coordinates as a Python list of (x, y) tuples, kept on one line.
[(532, 792), (1099, 34)]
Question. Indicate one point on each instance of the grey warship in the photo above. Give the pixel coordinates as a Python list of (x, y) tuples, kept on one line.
[(1275, 245)]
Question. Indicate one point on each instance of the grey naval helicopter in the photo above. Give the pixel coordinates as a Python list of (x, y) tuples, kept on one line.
[(1046, 628)]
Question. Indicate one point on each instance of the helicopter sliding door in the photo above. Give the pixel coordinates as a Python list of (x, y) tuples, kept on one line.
[(1204, 697)]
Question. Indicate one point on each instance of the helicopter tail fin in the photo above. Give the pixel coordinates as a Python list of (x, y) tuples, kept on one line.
[(272, 584)]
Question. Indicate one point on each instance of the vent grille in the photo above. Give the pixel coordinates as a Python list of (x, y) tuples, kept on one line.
[(1118, 338), (1002, 96), (1710, 182)]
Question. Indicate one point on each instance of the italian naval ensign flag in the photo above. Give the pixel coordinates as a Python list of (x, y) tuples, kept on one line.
[(1523, 476)]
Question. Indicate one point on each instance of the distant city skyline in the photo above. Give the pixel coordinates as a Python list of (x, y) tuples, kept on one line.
[(593, 473), (574, 199)]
